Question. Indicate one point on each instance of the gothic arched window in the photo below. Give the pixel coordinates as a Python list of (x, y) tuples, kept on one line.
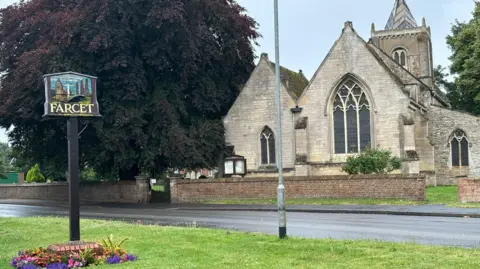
[(400, 56), (459, 149), (267, 144), (351, 119)]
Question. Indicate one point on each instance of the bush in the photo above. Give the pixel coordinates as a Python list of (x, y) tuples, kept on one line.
[(34, 175), (372, 161), (88, 174)]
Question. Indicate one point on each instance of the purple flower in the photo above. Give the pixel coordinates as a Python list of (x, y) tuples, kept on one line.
[(131, 257), (57, 266), (29, 266), (114, 259), (14, 262)]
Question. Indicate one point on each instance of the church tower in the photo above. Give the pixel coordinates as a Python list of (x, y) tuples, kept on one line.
[(408, 43)]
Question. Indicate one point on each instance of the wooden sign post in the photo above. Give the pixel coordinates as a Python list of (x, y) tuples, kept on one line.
[(70, 96)]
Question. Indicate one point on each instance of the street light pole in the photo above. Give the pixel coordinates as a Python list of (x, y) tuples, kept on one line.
[(282, 231)]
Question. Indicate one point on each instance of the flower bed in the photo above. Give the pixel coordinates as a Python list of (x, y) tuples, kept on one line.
[(43, 258)]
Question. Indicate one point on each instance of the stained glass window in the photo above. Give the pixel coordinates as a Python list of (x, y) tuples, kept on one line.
[(267, 143), (339, 131), (459, 149), (351, 119)]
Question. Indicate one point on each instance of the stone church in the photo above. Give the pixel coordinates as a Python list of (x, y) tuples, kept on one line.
[(379, 93)]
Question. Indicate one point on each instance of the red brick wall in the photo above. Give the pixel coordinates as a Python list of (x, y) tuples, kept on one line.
[(469, 190), (119, 191), (408, 187)]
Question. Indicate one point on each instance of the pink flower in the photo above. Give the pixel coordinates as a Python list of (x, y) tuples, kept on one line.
[(70, 263)]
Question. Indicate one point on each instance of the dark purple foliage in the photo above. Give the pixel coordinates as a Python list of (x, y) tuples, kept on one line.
[(167, 72)]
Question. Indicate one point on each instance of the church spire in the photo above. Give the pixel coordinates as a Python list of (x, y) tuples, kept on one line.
[(401, 17)]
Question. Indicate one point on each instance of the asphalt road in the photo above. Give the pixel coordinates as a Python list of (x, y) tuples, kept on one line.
[(463, 232)]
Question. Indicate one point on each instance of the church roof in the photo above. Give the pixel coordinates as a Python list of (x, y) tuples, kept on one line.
[(401, 17), (293, 81)]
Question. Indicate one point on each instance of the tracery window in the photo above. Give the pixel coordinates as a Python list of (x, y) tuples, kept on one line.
[(459, 149), (351, 119), (267, 143), (400, 56)]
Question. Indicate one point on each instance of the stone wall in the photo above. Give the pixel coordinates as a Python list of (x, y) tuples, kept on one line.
[(409, 187), (469, 190), (104, 192), (443, 122), (350, 58), (253, 110)]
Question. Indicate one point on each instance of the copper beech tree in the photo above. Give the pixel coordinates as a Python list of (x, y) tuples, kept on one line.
[(167, 70)]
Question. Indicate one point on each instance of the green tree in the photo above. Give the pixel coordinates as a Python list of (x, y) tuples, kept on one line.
[(455, 97), (6, 152), (5, 157), (168, 71), (3, 163), (464, 41)]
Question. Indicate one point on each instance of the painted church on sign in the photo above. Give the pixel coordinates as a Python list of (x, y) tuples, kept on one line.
[(379, 93)]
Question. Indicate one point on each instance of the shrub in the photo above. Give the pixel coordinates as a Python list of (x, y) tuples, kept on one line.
[(372, 161), (110, 244), (34, 175), (88, 174)]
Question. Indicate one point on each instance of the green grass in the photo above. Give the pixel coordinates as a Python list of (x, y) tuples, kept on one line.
[(168, 247), (434, 195), (158, 188)]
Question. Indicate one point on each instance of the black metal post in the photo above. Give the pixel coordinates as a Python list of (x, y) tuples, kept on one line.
[(74, 178)]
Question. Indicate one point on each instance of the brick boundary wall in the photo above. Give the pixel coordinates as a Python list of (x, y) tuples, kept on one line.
[(408, 187), (469, 190), (101, 192)]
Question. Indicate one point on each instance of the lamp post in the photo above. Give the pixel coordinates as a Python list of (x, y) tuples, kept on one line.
[(282, 231)]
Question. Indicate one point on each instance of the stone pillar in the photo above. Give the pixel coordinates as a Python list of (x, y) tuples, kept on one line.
[(173, 192), (425, 54), (21, 178), (411, 165), (143, 189), (301, 147), (409, 139)]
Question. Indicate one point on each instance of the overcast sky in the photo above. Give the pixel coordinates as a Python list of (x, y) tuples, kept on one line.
[(308, 28)]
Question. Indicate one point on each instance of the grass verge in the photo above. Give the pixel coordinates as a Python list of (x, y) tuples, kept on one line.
[(172, 247), (446, 195)]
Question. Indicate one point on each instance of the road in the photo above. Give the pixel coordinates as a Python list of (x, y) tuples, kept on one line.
[(463, 232)]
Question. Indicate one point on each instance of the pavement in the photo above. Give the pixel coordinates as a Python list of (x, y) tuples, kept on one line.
[(401, 210), (357, 224)]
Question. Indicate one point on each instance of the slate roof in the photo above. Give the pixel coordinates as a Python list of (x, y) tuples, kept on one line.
[(294, 82), (401, 17)]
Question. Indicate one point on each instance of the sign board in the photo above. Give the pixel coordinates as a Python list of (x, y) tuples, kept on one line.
[(71, 94), (153, 181), (235, 166), (229, 167)]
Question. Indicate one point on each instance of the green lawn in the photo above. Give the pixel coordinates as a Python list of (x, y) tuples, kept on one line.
[(158, 188), (435, 195), (165, 247)]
